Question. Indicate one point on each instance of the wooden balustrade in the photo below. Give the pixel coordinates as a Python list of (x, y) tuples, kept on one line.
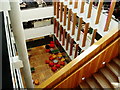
[(85, 34), (57, 26), (82, 6), (76, 4), (79, 28), (113, 2), (60, 35), (99, 11), (80, 60), (54, 25), (90, 9), (69, 17), (74, 23), (92, 66), (61, 11), (65, 12), (93, 36)]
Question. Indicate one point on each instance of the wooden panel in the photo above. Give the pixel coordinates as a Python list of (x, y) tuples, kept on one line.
[(57, 9), (90, 9), (54, 8), (79, 28), (82, 6), (65, 12), (74, 23), (70, 2), (63, 39), (71, 46), (76, 50), (93, 36), (80, 60), (76, 4), (69, 17), (85, 34), (110, 15), (99, 11), (61, 11), (67, 41)]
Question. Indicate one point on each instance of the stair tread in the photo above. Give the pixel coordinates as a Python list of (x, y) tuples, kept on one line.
[(92, 83), (114, 68), (111, 78), (101, 80), (117, 61), (84, 85)]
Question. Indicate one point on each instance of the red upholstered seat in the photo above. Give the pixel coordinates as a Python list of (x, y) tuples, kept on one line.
[(62, 63), (47, 61), (52, 45), (57, 65), (51, 64), (54, 69), (47, 50), (52, 42)]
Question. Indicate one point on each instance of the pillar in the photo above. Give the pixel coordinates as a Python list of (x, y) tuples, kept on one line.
[(18, 31)]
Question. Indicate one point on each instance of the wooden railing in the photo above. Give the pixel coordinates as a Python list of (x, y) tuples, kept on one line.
[(81, 60)]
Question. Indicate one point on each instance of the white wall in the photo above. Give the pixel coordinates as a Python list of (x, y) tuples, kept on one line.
[(38, 32), (37, 13)]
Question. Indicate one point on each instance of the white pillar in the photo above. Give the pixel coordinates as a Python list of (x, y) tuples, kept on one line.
[(18, 31)]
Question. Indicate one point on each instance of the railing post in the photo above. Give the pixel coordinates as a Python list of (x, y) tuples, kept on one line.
[(85, 34), (76, 50), (93, 36), (63, 39), (57, 9), (90, 9), (76, 4), (71, 46), (61, 28), (65, 12), (54, 8), (61, 11), (69, 17), (74, 23), (82, 6), (67, 41)]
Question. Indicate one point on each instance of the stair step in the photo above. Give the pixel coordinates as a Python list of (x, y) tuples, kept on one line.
[(92, 83), (114, 68), (84, 85), (102, 80), (117, 61)]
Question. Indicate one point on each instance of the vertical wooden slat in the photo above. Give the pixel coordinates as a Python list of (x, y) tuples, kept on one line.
[(54, 8), (54, 25), (61, 28), (71, 46), (69, 17), (70, 2), (93, 36), (82, 6), (63, 39), (110, 15), (85, 34), (67, 41), (57, 29), (79, 28), (99, 11), (61, 11), (76, 4), (90, 9), (57, 9), (74, 23), (65, 11), (76, 50)]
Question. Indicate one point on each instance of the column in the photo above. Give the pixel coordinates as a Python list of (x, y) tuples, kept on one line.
[(18, 31)]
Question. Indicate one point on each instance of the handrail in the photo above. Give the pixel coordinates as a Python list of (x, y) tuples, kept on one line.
[(80, 60), (92, 66)]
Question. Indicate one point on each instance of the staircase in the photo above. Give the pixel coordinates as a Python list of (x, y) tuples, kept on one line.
[(107, 77)]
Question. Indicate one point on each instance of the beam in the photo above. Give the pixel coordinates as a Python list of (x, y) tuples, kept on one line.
[(65, 12), (112, 6), (69, 17), (93, 36), (99, 11), (85, 34), (74, 23), (79, 28)]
